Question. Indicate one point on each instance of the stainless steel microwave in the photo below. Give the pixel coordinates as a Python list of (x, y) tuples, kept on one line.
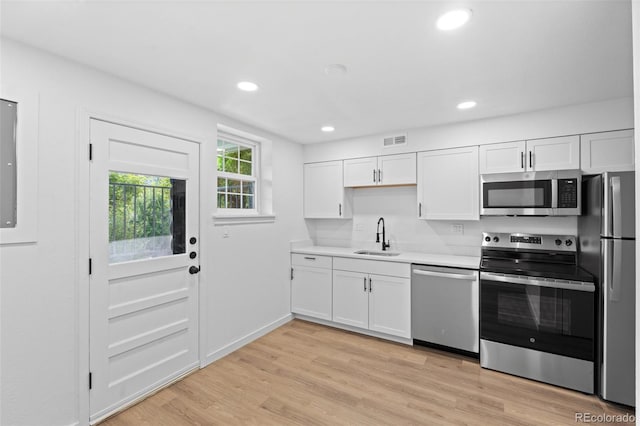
[(555, 193)]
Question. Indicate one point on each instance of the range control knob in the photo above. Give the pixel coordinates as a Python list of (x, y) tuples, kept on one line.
[(487, 239), (568, 242), (558, 241), (496, 239)]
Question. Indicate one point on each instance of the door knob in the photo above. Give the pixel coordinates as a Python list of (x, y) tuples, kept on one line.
[(194, 270)]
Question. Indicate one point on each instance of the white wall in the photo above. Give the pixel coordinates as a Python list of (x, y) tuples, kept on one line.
[(42, 295), (398, 205)]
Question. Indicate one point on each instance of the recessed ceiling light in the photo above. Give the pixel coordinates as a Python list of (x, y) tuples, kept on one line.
[(335, 69), (247, 86), (327, 129), (453, 19), (466, 104)]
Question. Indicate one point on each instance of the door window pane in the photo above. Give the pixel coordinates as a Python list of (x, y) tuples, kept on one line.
[(146, 216)]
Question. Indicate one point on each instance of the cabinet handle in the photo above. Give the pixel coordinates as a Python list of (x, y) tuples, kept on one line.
[(364, 279), (522, 160), (419, 209), (291, 274), (369, 285), (530, 159), (374, 175), (339, 209), (379, 176), (310, 258)]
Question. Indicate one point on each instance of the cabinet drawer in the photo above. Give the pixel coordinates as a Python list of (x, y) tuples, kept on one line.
[(312, 260), (394, 269)]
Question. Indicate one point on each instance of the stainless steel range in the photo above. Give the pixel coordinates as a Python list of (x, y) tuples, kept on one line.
[(537, 310)]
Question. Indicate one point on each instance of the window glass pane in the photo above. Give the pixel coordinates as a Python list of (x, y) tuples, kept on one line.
[(247, 187), (247, 201), (220, 164), (245, 168), (231, 151), (246, 153), (233, 186), (230, 165), (222, 201), (146, 216), (233, 201), (222, 185)]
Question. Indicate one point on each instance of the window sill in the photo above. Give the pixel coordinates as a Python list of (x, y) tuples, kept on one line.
[(219, 220)]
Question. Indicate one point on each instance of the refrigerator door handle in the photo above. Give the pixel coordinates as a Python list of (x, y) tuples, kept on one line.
[(616, 270), (606, 206), (616, 207), (611, 262)]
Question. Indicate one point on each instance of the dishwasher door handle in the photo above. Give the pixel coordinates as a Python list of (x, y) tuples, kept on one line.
[(445, 275)]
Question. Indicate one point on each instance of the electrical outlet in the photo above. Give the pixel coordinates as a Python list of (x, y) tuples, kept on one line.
[(359, 226), (457, 228), (225, 232)]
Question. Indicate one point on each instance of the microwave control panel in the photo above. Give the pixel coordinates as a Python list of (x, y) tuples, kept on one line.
[(567, 193)]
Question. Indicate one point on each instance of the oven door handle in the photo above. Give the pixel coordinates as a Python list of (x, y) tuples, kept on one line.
[(469, 277), (520, 279)]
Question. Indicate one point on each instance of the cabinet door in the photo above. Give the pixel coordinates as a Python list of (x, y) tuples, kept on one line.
[(361, 172), (324, 191), (448, 184), (504, 157), (553, 154), (397, 169), (311, 292), (390, 305), (350, 298), (607, 152)]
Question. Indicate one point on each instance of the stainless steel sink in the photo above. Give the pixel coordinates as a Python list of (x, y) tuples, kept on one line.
[(376, 253)]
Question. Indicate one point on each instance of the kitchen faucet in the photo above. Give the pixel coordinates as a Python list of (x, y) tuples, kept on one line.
[(384, 245)]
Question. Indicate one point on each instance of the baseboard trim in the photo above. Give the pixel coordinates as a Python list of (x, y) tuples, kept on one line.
[(237, 344), (356, 329)]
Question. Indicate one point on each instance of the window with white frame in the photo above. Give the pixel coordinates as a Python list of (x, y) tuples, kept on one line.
[(238, 174)]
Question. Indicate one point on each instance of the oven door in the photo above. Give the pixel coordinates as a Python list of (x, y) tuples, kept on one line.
[(554, 316), (534, 197)]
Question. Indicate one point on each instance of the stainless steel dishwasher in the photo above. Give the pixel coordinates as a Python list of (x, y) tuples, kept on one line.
[(445, 307)]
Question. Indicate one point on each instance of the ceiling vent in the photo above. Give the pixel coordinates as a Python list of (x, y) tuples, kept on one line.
[(396, 140)]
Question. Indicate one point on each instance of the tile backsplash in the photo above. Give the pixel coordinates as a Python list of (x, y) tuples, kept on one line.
[(398, 206)]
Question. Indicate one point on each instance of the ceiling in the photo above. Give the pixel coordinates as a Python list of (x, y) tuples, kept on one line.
[(511, 57)]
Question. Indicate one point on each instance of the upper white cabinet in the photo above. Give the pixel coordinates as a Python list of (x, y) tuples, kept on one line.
[(561, 153), (607, 152), (324, 194), (504, 157), (449, 184), (399, 169)]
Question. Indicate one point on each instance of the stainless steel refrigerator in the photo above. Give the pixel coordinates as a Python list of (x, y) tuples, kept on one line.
[(606, 233)]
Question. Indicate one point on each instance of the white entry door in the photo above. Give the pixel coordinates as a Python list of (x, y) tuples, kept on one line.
[(144, 263)]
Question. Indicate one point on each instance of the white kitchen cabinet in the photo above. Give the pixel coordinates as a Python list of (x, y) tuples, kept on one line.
[(449, 184), (390, 305), (324, 194), (607, 152), (399, 169), (351, 298), (311, 285), (376, 302), (561, 153), (504, 157)]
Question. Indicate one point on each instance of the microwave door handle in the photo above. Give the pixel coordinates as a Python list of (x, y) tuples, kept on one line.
[(554, 193), (616, 207)]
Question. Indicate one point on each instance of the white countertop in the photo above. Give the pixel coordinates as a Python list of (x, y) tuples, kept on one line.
[(468, 262)]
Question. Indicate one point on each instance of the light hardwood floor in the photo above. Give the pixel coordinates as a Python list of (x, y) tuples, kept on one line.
[(308, 374)]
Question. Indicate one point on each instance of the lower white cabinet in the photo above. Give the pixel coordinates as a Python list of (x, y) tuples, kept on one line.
[(311, 285), (370, 301)]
